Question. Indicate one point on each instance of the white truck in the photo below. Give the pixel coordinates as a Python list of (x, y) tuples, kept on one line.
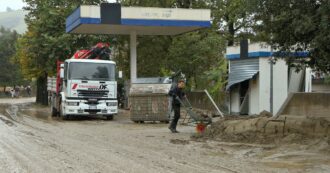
[(84, 86)]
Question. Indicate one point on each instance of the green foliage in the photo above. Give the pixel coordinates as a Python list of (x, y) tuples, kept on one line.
[(234, 19), (153, 55), (120, 53), (45, 42), (165, 72), (195, 53), (217, 77), (9, 72), (298, 26)]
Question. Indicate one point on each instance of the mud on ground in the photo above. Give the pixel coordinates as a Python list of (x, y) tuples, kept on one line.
[(33, 141), (268, 130)]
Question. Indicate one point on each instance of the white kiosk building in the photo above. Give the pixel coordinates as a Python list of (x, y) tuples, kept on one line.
[(255, 84)]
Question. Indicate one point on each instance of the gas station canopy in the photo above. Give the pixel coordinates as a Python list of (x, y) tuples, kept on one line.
[(112, 18)]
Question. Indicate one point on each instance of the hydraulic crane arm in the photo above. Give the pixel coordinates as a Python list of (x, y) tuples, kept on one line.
[(99, 51)]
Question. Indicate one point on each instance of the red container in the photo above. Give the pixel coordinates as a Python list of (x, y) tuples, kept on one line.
[(200, 128)]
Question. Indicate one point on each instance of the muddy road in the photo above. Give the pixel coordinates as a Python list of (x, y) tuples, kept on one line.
[(32, 141)]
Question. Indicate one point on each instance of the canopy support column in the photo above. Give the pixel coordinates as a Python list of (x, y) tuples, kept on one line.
[(133, 56)]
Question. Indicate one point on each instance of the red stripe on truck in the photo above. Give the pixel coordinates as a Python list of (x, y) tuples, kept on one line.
[(74, 86)]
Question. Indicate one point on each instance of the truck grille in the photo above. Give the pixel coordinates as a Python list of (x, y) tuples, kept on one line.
[(92, 94)]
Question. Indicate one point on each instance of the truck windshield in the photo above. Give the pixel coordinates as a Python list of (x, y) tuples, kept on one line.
[(92, 71)]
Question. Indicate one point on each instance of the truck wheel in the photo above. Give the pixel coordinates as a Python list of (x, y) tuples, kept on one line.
[(110, 117), (64, 117)]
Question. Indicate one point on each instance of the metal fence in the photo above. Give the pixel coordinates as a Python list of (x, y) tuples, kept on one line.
[(199, 100)]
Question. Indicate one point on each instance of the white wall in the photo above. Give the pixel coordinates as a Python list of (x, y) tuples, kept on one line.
[(234, 100), (264, 84), (233, 50), (90, 11), (308, 80), (93, 11), (280, 84), (259, 47), (165, 13), (259, 90), (254, 47), (295, 80), (254, 96)]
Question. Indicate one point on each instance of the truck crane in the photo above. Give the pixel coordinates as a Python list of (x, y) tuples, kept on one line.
[(85, 85)]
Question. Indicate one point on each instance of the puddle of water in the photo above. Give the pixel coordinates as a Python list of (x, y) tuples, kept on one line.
[(37, 114)]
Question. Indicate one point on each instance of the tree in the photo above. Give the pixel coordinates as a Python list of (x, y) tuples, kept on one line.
[(234, 19), (151, 49), (295, 26), (152, 54), (45, 42), (195, 53), (9, 71)]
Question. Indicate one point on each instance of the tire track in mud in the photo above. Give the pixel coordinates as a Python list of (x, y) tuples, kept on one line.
[(6, 121), (69, 155), (127, 151), (68, 149), (175, 159), (146, 160)]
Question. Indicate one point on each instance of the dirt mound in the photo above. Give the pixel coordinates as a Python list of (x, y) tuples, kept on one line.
[(236, 130), (266, 130), (266, 113)]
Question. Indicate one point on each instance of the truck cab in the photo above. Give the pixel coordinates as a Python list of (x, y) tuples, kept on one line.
[(87, 87)]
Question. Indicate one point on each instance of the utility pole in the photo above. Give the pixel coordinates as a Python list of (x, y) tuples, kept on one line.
[(271, 97), (272, 62)]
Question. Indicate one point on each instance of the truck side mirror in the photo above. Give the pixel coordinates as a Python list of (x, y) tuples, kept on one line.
[(62, 71)]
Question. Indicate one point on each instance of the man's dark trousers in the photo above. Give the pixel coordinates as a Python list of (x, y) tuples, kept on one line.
[(176, 118)]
